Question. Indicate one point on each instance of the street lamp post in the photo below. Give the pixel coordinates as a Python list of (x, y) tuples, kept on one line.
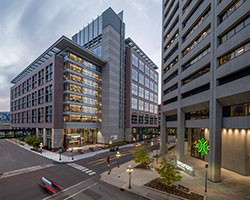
[(41, 147), (72, 153), (206, 166), (118, 155), (129, 170), (157, 155), (152, 144), (60, 153)]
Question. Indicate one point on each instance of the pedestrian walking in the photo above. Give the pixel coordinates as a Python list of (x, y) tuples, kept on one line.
[(108, 162)]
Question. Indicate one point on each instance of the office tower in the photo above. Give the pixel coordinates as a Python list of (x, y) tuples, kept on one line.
[(205, 81), (59, 95), (105, 37), (141, 104)]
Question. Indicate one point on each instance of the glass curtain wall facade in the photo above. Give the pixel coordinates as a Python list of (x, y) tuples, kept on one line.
[(82, 99), (104, 36)]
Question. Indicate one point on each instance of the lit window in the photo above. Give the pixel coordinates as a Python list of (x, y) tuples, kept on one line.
[(239, 51)]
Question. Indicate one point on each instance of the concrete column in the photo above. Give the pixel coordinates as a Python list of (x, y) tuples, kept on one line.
[(37, 132), (128, 134), (164, 135), (44, 137), (56, 138), (189, 139), (215, 131), (248, 152), (180, 134)]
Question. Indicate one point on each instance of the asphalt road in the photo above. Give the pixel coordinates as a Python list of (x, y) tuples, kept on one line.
[(25, 186), (13, 157)]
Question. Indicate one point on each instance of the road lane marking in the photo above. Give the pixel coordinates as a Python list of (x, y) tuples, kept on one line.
[(92, 173), (112, 157), (80, 191), (88, 171), (85, 170), (25, 170), (103, 161), (46, 198)]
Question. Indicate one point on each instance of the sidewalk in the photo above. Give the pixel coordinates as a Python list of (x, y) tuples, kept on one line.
[(119, 177), (67, 156), (232, 187)]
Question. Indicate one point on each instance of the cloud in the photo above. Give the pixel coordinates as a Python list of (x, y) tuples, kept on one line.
[(29, 27)]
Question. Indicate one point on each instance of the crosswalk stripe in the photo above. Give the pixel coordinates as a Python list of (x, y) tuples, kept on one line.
[(82, 168), (78, 167), (92, 173)]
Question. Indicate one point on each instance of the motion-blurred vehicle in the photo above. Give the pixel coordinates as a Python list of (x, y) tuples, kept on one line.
[(137, 144), (50, 186), (114, 148)]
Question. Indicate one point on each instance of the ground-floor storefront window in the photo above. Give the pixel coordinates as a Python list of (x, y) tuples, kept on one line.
[(79, 137), (139, 134), (48, 138)]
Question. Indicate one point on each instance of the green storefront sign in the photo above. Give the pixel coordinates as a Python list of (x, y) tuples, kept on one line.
[(203, 146)]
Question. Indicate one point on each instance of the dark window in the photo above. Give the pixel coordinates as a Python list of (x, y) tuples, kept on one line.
[(196, 91), (197, 74), (170, 89), (171, 118), (171, 76), (199, 114), (236, 110), (170, 101), (237, 75), (226, 111)]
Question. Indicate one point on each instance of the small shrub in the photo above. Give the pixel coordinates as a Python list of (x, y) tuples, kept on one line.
[(116, 144), (141, 155), (32, 140), (168, 172)]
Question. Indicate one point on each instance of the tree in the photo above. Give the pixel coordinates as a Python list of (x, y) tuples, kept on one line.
[(141, 155), (168, 172), (32, 140), (36, 142)]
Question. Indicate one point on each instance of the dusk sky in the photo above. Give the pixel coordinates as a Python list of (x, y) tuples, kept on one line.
[(29, 27)]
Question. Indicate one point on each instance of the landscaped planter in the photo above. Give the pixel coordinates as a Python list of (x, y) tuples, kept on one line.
[(142, 166), (172, 189)]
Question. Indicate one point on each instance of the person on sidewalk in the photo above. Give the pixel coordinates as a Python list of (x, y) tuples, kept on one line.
[(108, 162)]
